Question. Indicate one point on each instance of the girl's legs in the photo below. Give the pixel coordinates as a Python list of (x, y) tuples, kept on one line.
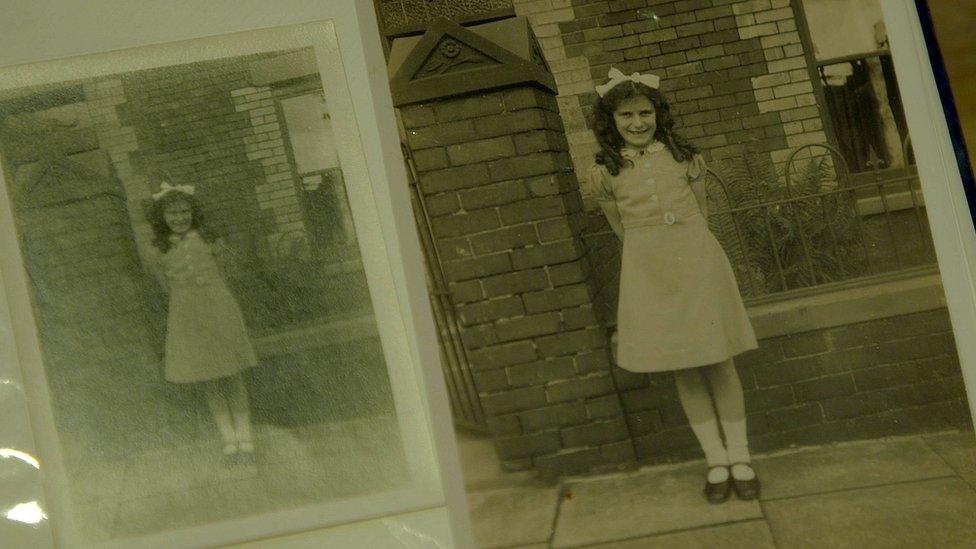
[(241, 410), (697, 403), (221, 415), (730, 405)]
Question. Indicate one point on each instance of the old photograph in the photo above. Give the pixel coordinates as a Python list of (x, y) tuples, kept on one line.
[(683, 272), (203, 308)]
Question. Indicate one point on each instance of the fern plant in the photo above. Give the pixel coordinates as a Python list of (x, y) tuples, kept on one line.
[(781, 237)]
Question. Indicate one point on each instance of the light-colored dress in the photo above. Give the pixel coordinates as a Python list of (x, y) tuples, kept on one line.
[(206, 337), (679, 304)]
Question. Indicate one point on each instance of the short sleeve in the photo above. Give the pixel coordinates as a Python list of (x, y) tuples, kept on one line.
[(224, 257), (697, 170), (597, 184), (696, 167)]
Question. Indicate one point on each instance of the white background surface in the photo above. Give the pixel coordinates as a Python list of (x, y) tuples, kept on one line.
[(945, 199)]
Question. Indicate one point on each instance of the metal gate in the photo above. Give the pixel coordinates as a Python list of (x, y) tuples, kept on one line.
[(465, 404)]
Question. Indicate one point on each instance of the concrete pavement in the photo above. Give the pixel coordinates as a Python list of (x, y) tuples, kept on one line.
[(915, 491)]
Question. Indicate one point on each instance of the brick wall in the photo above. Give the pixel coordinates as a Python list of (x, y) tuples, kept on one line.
[(91, 310), (892, 376), (204, 125), (733, 70), (505, 215), (571, 70), (201, 124), (276, 193), (735, 73)]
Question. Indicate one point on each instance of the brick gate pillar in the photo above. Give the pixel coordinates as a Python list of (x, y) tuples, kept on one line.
[(489, 147)]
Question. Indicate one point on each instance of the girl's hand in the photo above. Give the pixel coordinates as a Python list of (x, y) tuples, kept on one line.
[(696, 167)]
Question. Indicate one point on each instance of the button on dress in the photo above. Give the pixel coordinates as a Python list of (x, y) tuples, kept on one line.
[(206, 337), (679, 303)]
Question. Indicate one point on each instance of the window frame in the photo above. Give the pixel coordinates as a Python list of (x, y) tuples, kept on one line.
[(288, 89), (813, 68)]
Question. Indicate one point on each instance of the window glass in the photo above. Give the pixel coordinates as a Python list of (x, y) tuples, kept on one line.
[(851, 49)]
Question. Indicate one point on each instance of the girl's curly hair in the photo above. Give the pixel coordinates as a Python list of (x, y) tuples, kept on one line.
[(161, 230), (610, 139)]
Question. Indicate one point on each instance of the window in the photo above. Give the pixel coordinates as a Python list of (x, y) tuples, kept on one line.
[(850, 48), (313, 148)]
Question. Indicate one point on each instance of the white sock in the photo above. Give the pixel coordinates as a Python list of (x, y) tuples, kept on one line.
[(697, 404), (718, 474), (221, 415), (730, 406), (743, 471)]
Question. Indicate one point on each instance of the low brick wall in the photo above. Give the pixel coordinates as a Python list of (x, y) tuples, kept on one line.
[(889, 376)]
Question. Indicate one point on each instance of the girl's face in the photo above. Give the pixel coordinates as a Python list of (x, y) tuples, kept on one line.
[(178, 216), (636, 121)]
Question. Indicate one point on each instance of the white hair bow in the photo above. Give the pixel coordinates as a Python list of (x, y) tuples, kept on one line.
[(617, 77), (165, 188)]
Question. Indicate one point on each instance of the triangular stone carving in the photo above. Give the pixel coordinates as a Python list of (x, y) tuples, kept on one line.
[(56, 179), (450, 60), (453, 55)]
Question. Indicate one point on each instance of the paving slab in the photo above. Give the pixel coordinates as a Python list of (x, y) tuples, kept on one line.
[(752, 534), (639, 504), (482, 469), (848, 465), (172, 510), (958, 449), (929, 513), (513, 517)]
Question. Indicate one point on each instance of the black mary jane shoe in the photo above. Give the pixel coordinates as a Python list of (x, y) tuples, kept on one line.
[(718, 492), (746, 489)]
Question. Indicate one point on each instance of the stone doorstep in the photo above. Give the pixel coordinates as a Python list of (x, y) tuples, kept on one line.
[(759, 458)]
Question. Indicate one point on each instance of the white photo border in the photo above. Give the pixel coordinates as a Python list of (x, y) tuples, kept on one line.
[(948, 211)]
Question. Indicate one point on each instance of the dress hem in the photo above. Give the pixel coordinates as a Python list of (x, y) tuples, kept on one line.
[(213, 378), (675, 362)]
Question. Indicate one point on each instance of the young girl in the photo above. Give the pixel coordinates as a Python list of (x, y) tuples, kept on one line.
[(206, 339), (679, 307)]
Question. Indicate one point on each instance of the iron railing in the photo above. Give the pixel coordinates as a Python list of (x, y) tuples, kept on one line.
[(463, 395), (814, 223)]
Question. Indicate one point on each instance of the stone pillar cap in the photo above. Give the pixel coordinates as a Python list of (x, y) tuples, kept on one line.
[(450, 60)]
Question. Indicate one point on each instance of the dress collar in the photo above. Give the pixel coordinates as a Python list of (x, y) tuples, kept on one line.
[(629, 152), (177, 238)]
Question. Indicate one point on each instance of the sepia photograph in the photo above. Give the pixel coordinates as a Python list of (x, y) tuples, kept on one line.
[(190, 228), (483, 273), (684, 274)]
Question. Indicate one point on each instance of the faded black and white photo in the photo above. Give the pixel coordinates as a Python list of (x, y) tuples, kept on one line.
[(204, 312), (684, 273)]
